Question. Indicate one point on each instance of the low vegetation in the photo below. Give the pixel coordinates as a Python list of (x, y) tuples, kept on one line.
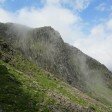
[(24, 87)]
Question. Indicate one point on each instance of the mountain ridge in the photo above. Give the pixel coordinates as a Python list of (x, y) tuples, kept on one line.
[(45, 47), (24, 87)]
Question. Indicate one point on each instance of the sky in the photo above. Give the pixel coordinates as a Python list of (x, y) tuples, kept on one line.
[(85, 24)]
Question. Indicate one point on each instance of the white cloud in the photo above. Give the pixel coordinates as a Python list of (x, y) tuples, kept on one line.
[(1, 1), (78, 5), (104, 7), (52, 1), (61, 19), (52, 14), (101, 7), (99, 43), (5, 16)]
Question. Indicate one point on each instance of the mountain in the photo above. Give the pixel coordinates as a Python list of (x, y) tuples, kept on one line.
[(38, 62)]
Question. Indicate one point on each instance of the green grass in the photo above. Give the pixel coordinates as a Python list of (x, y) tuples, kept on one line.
[(16, 93), (24, 87), (46, 80)]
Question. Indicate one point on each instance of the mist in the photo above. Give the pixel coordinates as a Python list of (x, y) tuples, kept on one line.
[(40, 46), (94, 79)]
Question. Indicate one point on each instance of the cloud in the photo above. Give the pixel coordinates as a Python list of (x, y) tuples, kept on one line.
[(54, 13), (101, 7), (104, 7), (1, 1), (78, 5), (98, 43), (61, 19), (5, 16)]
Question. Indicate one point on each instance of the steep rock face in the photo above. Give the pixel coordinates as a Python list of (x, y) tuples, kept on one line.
[(45, 47)]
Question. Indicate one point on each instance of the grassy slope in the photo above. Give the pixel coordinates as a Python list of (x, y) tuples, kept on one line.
[(26, 88), (30, 89)]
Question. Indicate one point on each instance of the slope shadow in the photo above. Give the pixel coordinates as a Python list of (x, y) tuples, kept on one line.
[(12, 96)]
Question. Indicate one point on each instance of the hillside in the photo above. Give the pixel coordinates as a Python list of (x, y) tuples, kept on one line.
[(32, 63), (26, 88)]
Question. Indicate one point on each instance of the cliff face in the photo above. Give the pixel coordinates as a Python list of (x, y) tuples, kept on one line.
[(26, 88), (45, 47)]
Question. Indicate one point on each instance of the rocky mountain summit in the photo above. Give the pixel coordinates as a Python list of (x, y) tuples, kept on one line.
[(45, 48)]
